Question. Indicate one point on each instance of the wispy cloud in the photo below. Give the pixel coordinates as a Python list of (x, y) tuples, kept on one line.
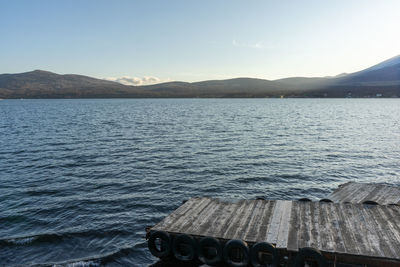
[(127, 80), (258, 45)]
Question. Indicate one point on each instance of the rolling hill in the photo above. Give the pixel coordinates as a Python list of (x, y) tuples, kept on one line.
[(381, 80)]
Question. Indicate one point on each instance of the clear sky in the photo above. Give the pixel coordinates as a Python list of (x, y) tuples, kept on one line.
[(197, 40)]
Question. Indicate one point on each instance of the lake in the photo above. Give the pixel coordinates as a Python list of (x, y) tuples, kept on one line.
[(81, 179)]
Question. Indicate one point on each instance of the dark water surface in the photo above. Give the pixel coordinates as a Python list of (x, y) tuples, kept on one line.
[(80, 179)]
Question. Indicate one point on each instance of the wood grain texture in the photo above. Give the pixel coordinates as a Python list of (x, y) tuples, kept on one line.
[(360, 192), (342, 228)]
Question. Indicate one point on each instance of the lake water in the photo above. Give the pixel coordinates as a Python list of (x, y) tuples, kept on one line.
[(81, 179)]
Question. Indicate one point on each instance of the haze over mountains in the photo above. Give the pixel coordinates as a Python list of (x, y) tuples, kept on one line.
[(381, 80)]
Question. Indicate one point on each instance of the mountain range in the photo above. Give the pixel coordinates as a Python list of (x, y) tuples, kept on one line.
[(381, 80)]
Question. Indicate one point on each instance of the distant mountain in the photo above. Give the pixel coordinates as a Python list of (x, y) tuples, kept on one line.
[(387, 63), (385, 73), (381, 80), (44, 84)]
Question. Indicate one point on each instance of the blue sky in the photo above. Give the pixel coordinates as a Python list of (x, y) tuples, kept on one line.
[(197, 40)]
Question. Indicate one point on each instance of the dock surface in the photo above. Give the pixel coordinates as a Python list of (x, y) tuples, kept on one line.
[(361, 192), (336, 229)]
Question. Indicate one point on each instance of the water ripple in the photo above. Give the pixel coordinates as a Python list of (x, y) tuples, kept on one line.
[(81, 179)]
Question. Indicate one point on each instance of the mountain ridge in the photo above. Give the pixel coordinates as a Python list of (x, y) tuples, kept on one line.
[(382, 79)]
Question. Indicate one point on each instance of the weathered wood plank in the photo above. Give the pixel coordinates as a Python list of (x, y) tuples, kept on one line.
[(305, 221), (253, 225), (224, 220), (338, 228), (358, 193), (392, 229), (294, 228), (327, 228), (376, 193), (283, 234), (189, 218), (379, 232), (217, 222), (369, 233), (315, 226), (336, 241), (361, 192), (244, 220), (273, 230), (261, 233), (178, 215), (358, 227), (200, 223), (235, 221)]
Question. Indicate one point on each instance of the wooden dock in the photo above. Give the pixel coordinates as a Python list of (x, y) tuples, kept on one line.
[(343, 232), (381, 194)]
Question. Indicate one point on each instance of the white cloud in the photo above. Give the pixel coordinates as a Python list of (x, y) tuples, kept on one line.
[(258, 45), (127, 80)]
